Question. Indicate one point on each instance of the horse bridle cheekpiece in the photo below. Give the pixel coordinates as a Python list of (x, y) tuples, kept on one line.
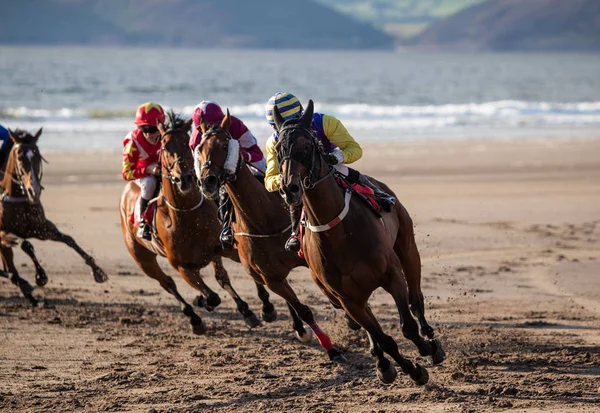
[(311, 162), (169, 167), (233, 161), (17, 176)]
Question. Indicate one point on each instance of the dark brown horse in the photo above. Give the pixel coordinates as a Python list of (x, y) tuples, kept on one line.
[(351, 251), (187, 230), (261, 225), (22, 214)]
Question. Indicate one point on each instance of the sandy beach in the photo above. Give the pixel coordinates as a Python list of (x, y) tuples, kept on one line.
[(509, 233)]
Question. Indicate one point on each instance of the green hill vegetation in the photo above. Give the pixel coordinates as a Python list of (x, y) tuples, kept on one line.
[(402, 18)]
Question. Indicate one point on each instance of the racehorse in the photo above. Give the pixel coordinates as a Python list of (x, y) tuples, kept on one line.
[(353, 252), (261, 224), (22, 214), (186, 231)]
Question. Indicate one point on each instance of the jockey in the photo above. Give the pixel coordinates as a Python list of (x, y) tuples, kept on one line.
[(338, 143), (212, 114), (140, 157)]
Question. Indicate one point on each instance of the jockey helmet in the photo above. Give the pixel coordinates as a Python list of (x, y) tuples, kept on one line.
[(208, 111), (288, 105), (149, 113)]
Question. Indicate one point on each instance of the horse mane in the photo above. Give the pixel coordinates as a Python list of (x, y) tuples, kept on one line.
[(287, 144), (174, 120), (22, 136)]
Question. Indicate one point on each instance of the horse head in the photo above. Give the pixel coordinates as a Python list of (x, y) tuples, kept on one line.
[(25, 164), (177, 164), (217, 157), (299, 154)]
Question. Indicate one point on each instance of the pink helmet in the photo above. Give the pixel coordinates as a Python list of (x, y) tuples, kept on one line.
[(208, 111)]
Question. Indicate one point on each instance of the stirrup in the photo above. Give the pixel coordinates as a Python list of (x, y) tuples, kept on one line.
[(386, 201), (144, 231), (292, 244), (226, 238)]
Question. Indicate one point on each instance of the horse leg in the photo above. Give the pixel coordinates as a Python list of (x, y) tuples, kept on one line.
[(222, 277), (284, 290), (268, 313), (408, 253), (191, 275), (362, 314), (13, 275), (302, 333), (385, 370), (396, 286), (41, 278), (54, 234)]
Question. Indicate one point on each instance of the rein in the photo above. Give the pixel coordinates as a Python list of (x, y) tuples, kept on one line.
[(16, 177), (229, 171), (173, 179), (311, 180)]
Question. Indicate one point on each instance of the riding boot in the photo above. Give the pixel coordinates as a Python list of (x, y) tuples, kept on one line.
[(144, 229), (293, 243), (385, 200)]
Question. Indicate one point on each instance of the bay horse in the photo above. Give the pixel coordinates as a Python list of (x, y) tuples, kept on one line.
[(261, 224), (22, 214), (187, 230), (352, 253)]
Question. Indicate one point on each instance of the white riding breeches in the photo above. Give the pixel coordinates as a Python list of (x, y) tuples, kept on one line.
[(148, 186)]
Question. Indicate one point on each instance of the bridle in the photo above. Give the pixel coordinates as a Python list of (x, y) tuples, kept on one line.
[(169, 166), (169, 175), (17, 175), (311, 163), (230, 170)]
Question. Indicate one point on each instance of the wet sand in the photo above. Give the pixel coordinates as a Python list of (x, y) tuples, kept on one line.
[(509, 234)]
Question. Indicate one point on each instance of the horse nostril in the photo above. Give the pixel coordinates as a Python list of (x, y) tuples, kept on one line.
[(294, 189), (210, 181)]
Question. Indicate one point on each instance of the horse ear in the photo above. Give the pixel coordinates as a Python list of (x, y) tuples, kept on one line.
[(307, 117), (277, 117), (187, 125), (37, 135), (161, 126), (226, 122), (12, 136)]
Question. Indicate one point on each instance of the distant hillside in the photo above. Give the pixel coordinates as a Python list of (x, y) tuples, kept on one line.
[(551, 25), (186, 23)]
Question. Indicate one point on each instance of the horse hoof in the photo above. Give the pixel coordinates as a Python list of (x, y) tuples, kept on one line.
[(252, 321), (438, 355), (352, 325), (41, 278), (336, 356), (388, 376), (306, 337), (199, 301), (420, 375), (269, 317), (212, 302), (99, 275), (199, 328)]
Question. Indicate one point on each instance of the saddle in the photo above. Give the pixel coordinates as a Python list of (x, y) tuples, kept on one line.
[(363, 192), (149, 214)]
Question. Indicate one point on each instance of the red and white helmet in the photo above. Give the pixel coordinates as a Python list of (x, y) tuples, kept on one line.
[(149, 113)]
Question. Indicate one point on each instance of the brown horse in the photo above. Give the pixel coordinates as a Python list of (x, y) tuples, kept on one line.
[(22, 214), (187, 230), (261, 225), (352, 253)]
